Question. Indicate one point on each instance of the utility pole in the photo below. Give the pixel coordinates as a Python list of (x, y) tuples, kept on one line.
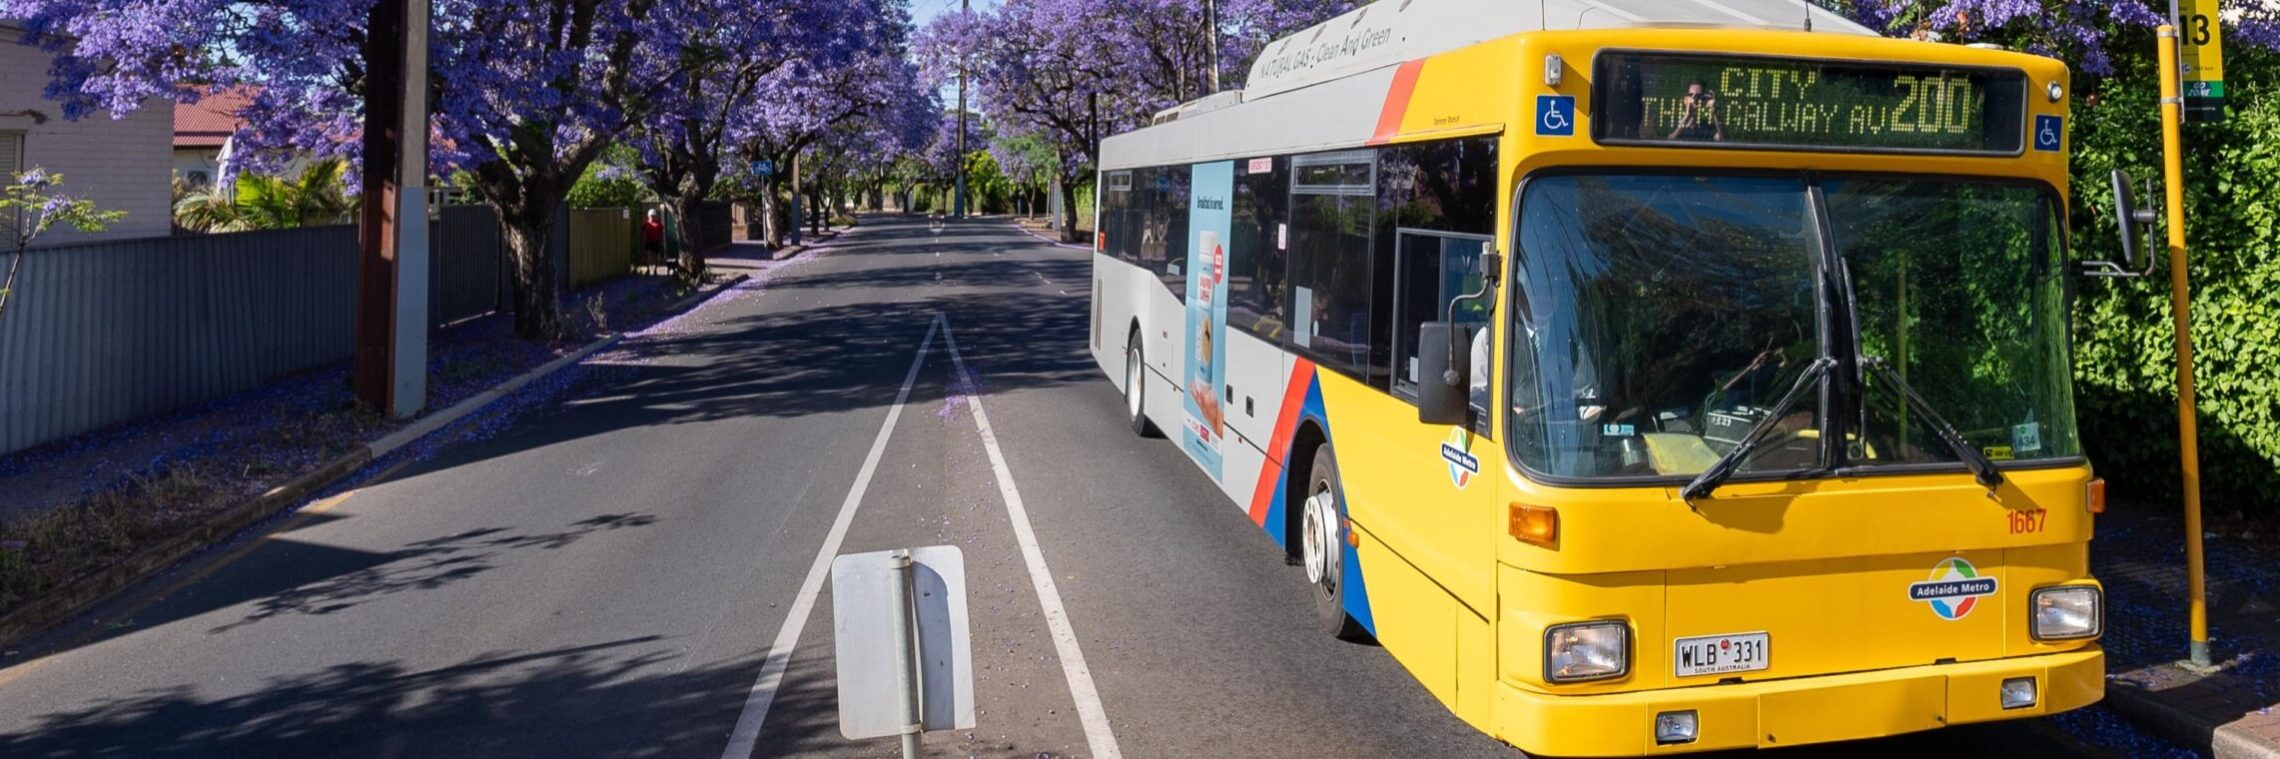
[(1211, 42), (390, 374), (958, 204), (798, 221)]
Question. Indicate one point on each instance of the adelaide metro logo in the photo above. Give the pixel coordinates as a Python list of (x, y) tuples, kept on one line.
[(1462, 465), (1954, 589)]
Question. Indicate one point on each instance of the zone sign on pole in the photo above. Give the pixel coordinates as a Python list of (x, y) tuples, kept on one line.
[(2201, 52)]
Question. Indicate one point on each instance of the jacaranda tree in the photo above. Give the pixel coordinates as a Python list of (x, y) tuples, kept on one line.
[(525, 93), (689, 140), (1045, 69), (815, 99)]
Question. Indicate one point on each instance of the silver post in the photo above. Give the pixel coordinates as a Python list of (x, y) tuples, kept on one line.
[(958, 204), (906, 651)]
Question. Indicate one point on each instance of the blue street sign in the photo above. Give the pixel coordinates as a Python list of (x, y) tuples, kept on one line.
[(2050, 133), (1555, 115), (764, 168)]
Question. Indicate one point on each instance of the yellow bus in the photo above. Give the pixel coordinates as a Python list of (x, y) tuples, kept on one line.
[(1645, 376)]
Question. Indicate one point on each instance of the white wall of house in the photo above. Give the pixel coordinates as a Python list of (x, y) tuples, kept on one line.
[(122, 164), (193, 162)]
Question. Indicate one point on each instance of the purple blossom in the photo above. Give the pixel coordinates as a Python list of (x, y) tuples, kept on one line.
[(2078, 31)]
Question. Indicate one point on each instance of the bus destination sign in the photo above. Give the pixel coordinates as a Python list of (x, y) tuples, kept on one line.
[(1756, 102)]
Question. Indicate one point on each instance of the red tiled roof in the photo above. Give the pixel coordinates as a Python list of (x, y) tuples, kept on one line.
[(211, 120)]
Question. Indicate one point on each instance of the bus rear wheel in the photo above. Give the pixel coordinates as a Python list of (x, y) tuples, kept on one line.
[(1322, 528), (1136, 389)]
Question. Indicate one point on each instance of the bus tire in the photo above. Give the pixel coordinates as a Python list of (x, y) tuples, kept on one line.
[(1322, 533), (1136, 389)]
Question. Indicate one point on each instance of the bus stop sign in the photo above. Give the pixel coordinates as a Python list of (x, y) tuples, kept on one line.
[(2201, 52)]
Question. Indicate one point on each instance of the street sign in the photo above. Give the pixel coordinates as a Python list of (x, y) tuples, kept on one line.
[(2200, 33), (764, 168), (881, 602)]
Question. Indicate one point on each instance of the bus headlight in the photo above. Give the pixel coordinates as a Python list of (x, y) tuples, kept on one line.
[(1584, 651), (2066, 612)]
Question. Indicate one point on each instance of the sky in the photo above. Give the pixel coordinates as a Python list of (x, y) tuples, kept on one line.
[(924, 11)]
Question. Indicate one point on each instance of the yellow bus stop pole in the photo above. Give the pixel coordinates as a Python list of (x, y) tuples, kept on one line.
[(2181, 312)]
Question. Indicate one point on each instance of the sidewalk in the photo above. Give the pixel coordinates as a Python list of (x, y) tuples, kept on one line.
[(2232, 712), (1039, 225)]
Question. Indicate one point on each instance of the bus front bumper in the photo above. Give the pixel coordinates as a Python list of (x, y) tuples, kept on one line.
[(1797, 711)]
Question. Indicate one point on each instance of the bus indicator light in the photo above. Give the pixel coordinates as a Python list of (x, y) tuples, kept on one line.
[(2095, 495), (1536, 525)]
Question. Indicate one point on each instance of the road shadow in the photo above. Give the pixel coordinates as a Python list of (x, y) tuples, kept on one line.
[(614, 698), (741, 363)]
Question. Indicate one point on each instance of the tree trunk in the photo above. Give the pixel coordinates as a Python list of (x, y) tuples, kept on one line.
[(816, 211), (1069, 211), (690, 207), (538, 296), (771, 214)]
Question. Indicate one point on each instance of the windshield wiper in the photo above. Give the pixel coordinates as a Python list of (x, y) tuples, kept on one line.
[(1726, 465), (1981, 467)]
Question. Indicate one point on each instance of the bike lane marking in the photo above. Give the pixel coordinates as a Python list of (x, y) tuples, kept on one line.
[(1090, 713), (746, 735)]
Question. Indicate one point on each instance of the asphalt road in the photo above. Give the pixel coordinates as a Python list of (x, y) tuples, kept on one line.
[(606, 572)]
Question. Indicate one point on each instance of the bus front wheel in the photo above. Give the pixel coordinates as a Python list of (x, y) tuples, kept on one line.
[(1322, 528), (1136, 389)]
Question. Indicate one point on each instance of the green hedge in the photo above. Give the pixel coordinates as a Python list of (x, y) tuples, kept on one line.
[(2124, 362)]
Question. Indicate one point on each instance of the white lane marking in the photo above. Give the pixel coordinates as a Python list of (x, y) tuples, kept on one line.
[(1089, 710), (746, 736)]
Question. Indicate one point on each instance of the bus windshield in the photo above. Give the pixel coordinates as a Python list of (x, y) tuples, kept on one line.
[(1659, 318)]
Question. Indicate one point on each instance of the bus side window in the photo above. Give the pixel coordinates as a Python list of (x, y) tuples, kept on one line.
[(1332, 210), (1258, 279), (1116, 217), (1159, 214)]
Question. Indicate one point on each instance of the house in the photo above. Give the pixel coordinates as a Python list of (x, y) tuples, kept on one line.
[(202, 129), (122, 164)]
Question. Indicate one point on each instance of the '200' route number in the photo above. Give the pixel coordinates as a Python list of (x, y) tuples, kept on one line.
[(2024, 522)]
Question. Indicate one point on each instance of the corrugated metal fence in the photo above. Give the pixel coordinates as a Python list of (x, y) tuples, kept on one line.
[(105, 332)]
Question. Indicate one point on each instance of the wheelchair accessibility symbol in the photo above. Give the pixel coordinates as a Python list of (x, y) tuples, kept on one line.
[(2050, 133), (1555, 115)]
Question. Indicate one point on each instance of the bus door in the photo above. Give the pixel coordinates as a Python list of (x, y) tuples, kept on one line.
[(1446, 520)]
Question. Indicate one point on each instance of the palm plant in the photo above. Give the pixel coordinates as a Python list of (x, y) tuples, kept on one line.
[(259, 201)]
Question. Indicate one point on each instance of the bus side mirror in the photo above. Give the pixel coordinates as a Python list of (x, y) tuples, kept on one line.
[(1444, 356), (2132, 222)]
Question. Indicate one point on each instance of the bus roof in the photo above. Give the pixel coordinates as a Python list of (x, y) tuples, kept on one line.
[(1387, 32)]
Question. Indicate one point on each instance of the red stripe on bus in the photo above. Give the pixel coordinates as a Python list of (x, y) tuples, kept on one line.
[(1278, 448), (1397, 101)]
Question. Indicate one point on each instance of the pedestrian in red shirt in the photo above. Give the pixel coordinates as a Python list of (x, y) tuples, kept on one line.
[(652, 241)]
